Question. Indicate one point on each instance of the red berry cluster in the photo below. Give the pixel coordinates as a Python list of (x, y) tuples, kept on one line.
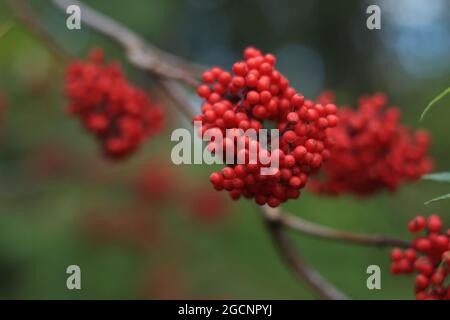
[(372, 150), (255, 96), (433, 265), (119, 114)]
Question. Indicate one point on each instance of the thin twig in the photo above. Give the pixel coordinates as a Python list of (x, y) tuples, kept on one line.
[(29, 20), (140, 53), (319, 231), (180, 97), (151, 59)]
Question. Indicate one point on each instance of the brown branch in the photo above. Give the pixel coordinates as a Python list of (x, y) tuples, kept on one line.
[(319, 231), (139, 53), (29, 20)]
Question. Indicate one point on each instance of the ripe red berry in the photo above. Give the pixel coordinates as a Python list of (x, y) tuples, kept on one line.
[(423, 244), (417, 224), (396, 254), (299, 152), (421, 282), (292, 117), (208, 77), (434, 223), (410, 254), (253, 97)]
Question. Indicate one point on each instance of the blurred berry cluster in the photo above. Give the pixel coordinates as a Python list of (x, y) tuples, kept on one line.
[(119, 114), (372, 151)]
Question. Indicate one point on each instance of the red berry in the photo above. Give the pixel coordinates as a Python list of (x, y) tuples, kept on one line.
[(292, 117), (396, 254), (421, 282), (203, 91), (434, 223), (208, 77), (410, 254), (253, 97), (417, 224), (423, 244)]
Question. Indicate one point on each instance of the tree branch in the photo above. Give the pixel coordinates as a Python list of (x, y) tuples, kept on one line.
[(180, 97), (139, 53)]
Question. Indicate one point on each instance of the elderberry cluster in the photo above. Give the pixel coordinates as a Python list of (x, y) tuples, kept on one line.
[(372, 151), (256, 96), (119, 114), (433, 264)]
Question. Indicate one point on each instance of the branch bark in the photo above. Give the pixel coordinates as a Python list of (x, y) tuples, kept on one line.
[(319, 231), (139, 53), (289, 253)]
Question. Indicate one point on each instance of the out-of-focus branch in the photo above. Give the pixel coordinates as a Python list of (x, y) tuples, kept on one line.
[(289, 253), (28, 18), (180, 96), (140, 53), (319, 231)]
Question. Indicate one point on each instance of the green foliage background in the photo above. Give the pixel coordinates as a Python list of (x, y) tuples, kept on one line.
[(40, 217)]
